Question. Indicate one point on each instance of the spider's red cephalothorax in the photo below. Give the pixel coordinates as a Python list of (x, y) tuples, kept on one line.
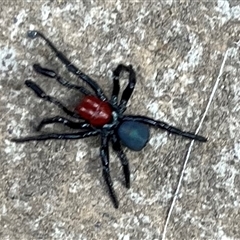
[(95, 111)]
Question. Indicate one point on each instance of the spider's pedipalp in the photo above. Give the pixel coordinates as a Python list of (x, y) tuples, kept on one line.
[(41, 94), (52, 74)]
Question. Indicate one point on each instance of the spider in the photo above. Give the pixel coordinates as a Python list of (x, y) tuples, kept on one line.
[(97, 115)]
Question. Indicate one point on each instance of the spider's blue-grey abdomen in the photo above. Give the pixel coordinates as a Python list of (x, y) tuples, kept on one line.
[(133, 135)]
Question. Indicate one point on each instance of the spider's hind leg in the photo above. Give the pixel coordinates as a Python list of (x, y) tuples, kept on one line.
[(165, 126), (104, 153), (124, 161)]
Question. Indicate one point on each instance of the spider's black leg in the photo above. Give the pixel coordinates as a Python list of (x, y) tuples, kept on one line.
[(52, 74), (70, 136), (128, 90), (124, 161), (165, 126), (116, 85), (41, 94), (64, 121), (71, 68), (104, 153)]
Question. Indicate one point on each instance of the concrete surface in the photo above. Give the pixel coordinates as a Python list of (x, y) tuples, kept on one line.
[(54, 189)]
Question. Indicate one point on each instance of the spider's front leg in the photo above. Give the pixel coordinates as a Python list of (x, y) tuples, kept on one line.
[(104, 153), (70, 67), (164, 126)]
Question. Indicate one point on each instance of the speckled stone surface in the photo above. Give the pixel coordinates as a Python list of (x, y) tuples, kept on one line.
[(54, 189)]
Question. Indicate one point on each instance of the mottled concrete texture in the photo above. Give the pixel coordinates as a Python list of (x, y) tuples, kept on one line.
[(54, 189)]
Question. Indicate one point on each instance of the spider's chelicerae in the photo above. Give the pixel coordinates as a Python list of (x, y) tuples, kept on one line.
[(98, 115)]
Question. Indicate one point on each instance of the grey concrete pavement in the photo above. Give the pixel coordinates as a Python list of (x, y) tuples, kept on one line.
[(54, 189)]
